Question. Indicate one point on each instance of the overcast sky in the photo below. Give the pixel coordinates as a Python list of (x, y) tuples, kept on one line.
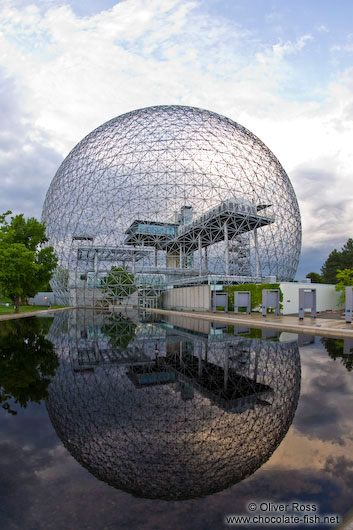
[(281, 68)]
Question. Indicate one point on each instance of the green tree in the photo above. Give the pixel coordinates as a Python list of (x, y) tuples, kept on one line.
[(25, 265), (345, 279), (27, 361), (119, 284), (336, 260), (314, 277)]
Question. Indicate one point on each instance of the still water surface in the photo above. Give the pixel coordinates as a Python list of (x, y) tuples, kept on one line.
[(119, 421)]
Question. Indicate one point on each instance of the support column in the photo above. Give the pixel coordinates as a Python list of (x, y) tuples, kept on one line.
[(96, 262), (133, 261), (257, 259), (155, 257), (200, 255), (206, 259), (225, 229), (96, 268), (181, 256)]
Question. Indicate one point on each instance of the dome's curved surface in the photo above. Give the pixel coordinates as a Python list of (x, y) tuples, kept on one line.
[(203, 416), (164, 168)]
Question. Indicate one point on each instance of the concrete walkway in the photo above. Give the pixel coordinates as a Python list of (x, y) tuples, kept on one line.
[(12, 316), (311, 326)]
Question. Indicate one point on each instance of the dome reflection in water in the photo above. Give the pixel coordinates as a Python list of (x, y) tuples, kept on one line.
[(169, 410)]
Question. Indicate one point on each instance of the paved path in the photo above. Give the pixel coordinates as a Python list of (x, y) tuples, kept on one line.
[(12, 316), (312, 326)]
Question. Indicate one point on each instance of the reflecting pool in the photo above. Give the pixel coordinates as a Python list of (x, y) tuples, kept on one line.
[(137, 421)]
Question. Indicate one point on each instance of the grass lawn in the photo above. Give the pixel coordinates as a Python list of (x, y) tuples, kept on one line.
[(25, 308)]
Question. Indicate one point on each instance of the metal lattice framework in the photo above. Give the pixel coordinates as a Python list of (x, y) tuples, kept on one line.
[(169, 194), (162, 411)]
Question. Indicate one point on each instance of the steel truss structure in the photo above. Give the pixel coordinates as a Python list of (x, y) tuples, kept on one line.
[(172, 409), (169, 194)]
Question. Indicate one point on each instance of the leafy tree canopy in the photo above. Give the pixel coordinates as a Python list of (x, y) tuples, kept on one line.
[(30, 232), (342, 259), (345, 279), (25, 267)]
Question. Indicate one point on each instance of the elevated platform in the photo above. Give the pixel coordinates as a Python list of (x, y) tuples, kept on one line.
[(150, 233), (212, 279), (209, 227), (239, 216)]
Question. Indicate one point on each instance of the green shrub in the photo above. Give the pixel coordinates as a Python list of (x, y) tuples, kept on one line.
[(256, 293)]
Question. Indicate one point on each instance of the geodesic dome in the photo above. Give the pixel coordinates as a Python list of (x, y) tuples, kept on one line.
[(202, 415), (169, 193)]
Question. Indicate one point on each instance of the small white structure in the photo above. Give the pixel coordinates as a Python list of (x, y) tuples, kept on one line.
[(327, 298), (199, 297)]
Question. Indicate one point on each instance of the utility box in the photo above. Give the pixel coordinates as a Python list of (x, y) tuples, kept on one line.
[(242, 299), (270, 298), (307, 301), (349, 304), (220, 299)]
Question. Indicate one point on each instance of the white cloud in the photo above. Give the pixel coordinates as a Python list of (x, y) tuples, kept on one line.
[(280, 50), (346, 48), (322, 28)]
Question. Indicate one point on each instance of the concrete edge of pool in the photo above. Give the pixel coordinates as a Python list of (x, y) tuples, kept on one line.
[(13, 316), (322, 327)]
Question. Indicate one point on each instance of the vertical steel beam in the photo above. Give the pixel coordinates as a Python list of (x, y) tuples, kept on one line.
[(200, 255), (96, 262), (225, 229), (257, 257)]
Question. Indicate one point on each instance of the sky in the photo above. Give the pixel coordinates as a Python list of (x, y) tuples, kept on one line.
[(281, 68)]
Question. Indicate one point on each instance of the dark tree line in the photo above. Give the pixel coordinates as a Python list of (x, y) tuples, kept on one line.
[(337, 260)]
